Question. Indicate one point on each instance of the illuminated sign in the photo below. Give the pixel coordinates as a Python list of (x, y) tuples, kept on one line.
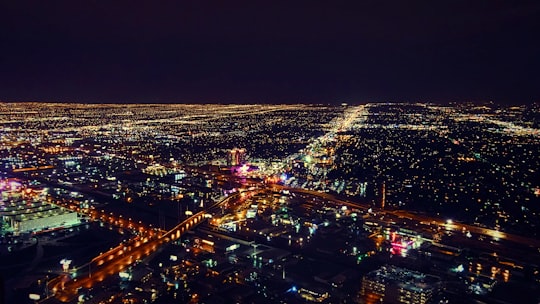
[(65, 264), (232, 247)]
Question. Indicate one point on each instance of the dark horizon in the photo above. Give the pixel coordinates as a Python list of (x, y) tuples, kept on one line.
[(457, 102), (302, 52)]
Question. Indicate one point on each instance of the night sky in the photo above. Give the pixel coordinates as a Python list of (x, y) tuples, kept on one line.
[(272, 51)]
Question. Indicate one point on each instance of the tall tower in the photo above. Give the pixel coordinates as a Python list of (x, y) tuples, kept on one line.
[(383, 198), (231, 157), (241, 156), (236, 157)]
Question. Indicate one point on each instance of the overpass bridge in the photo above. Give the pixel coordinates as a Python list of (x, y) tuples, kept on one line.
[(118, 259), (65, 288), (124, 255)]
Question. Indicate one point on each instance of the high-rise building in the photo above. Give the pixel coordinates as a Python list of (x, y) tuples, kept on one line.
[(399, 285), (383, 199), (236, 157)]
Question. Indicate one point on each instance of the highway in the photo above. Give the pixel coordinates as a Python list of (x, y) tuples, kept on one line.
[(117, 259), (148, 240), (488, 234), (110, 218)]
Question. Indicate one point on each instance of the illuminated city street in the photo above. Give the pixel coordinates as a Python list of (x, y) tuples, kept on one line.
[(209, 152), (179, 202)]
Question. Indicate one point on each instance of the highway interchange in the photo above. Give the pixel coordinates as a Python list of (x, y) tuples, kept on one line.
[(147, 240)]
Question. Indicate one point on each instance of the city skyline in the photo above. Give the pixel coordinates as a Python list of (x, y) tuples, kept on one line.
[(393, 202), (353, 152)]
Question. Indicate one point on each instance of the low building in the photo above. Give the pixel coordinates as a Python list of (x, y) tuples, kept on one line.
[(399, 285), (34, 216)]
